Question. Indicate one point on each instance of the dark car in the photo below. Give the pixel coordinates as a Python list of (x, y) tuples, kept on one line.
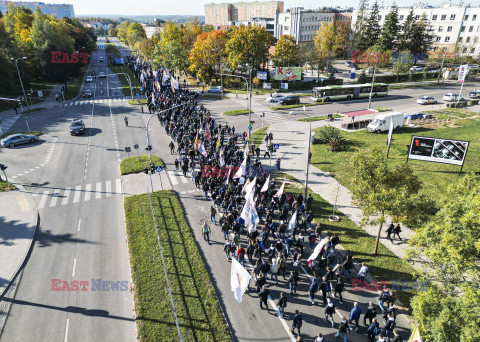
[(291, 99), (77, 127), (87, 93)]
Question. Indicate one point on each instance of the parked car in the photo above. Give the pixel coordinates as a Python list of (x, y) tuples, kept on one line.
[(381, 123), (89, 79), (275, 98), (414, 116), (450, 97), (101, 74), (475, 94), (424, 100), (291, 99), (416, 68), (18, 139), (77, 127), (87, 93), (214, 90), (101, 59)]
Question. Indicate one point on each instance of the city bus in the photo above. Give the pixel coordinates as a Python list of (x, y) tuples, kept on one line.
[(348, 92)]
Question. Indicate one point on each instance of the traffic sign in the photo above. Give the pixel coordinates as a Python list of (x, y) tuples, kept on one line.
[(141, 89), (276, 146), (138, 94), (158, 168), (135, 146), (128, 149)]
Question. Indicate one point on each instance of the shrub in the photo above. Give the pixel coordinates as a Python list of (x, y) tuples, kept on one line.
[(333, 137)]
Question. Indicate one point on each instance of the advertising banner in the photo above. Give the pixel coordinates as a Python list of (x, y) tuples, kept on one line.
[(462, 73), (262, 75), (284, 86), (267, 86), (288, 73), (438, 150)]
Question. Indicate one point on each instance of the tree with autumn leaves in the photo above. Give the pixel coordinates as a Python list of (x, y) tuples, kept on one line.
[(206, 54)]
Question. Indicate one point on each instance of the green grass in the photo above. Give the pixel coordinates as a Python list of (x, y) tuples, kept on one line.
[(236, 112), (258, 136), (435, 176), (111, 48), (46, 88), (452, 112), (136, 102), (6, 187), (405, 86), (194, 297), (297, 105), (385, 266), (75, 84), (319, 118), (136, 164), (123, 79), (37, 133), (255, 91)]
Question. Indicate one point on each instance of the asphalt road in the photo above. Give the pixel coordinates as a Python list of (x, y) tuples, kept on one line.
[(82, 231)]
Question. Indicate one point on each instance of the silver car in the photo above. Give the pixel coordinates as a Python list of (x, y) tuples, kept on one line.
[(18, 139)]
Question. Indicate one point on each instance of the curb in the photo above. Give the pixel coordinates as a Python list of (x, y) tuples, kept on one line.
[(22, 264)]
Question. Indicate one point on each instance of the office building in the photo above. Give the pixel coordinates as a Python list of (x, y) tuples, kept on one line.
[(55, 10), (455, 28), (222, 14)]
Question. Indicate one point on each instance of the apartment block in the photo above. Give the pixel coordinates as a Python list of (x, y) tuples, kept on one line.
[(55, 10), (222, 14)]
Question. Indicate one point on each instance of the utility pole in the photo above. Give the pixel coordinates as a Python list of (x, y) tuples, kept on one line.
[(373, 82), (20, 78)]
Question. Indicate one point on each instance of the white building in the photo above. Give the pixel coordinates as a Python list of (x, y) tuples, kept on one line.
[(56, 10), (302, 24), (267, 23), (456, 28), (150, 31)]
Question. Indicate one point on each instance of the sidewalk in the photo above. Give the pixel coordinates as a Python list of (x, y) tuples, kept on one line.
[(9, 117), (293, 147), (18, 224)]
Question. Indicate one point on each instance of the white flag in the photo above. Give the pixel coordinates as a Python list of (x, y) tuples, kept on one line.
[(174, 83), (462, 73), (292, 224), (318, 249), (202, 150), (249, 187), (239, 280), (280, 191), (228, 175), (222, 160), (249, 213), (247, 150), (242, 169), (266, 185)]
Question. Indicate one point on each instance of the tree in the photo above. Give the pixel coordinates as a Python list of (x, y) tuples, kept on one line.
[(135, 33), (286, 52), (406, 38), (371, 32), (403, 63), (122, 31), (390, 30), (324, 41), (247, 45), (360, 26), (379, 190), (421, 37), (206, 54), (448, 249), (170, 51), (342, 43)]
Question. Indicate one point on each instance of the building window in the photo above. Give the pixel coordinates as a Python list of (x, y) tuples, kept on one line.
[(435, 48), (449, 29), (472, 50), (474, 17), (379, 18), (447, 39), (460, 39), (401, 17), (444, 16), (475, 39), (467, 40), (440, 28), (439, 39), (286, 28), (417, 17), (464, 50), (434, 17), (470, 29), (452, 17), (478, 28), (462, 29), (466, 17)]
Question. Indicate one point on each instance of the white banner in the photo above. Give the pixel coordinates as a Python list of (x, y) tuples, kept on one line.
[(266, 185), (462, 73), (390, 133), (280, 191), (239, 280), (318, 249)]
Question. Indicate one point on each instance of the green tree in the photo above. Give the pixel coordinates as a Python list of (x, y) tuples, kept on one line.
[(390, 30), (247, 45), (402, 63), (122, 31), (343, 33), (406, 37), (286, 52), (325, 41), (135, 33), (371, 31), (422, 37), (381, 191), (206, 54), (360, 26), (448, 250), (170, 50)]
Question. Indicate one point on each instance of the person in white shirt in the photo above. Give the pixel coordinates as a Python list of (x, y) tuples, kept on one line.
[(363, 272), (320, 338)]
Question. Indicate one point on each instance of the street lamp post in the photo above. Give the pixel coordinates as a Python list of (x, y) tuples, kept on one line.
[(129, 82), (248, 106), (308, 158), (249, 103), (373, 82), (20, 78)]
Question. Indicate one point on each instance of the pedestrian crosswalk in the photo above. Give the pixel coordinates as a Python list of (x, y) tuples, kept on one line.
[(177, 177), (55, 197), (6, 124), (96, 101)]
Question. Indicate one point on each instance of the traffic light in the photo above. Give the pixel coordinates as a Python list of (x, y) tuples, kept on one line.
[(145, 170), (152, 168), (3, 167), (148, 148)]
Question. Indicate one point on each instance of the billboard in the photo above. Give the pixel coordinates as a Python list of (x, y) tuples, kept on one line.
[(262, 75), (438, 150), (288, 73)]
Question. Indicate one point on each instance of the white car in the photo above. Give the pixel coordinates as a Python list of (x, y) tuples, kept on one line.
[(214, 90), (424, 100), (101, 74), (450, 97), (275, 98), (416, 68), (89, 79)]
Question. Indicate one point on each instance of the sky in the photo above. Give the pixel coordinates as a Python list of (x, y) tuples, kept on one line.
[(196, 7)]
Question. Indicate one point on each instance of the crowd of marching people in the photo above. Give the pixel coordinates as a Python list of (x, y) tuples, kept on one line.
[(265, 228)]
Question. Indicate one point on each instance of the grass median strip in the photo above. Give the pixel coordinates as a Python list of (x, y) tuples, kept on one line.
[(195, 300), (6, 187), (37, 133), (138, 102), (136, 164), (297, 105), (120, 71), (258, 136), (319, 118), (236, 112), (385, 266)]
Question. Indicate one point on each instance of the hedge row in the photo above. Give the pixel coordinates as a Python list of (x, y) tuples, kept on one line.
[(397, 78)]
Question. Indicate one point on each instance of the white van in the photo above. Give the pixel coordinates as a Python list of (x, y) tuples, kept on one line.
[(381, 123)]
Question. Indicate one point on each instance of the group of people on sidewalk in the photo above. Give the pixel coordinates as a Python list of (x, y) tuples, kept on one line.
[(271, 239)]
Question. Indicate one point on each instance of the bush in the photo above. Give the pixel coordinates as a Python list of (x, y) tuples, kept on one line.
[(396, 78), (473, 102), (333, 137)]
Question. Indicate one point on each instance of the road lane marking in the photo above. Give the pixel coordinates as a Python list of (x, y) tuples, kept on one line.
[(98, 190), (74, 264), (79, 224), (56, 192), (88, 188), (41, 204), (23, 203), (119, 186), (66, 195), (108, 188), (66, 330), (173, 178)]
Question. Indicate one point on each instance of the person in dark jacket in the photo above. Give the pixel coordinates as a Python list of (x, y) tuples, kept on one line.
[(263, 294), (396, 231), (325, 288), (296, 322), (370, 314), (292, 282), (329, 312), (390, 230), (373, 330), (281, 304), (338, 290)]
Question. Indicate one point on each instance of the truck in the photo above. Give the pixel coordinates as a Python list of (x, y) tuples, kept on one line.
[(381, 123)]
